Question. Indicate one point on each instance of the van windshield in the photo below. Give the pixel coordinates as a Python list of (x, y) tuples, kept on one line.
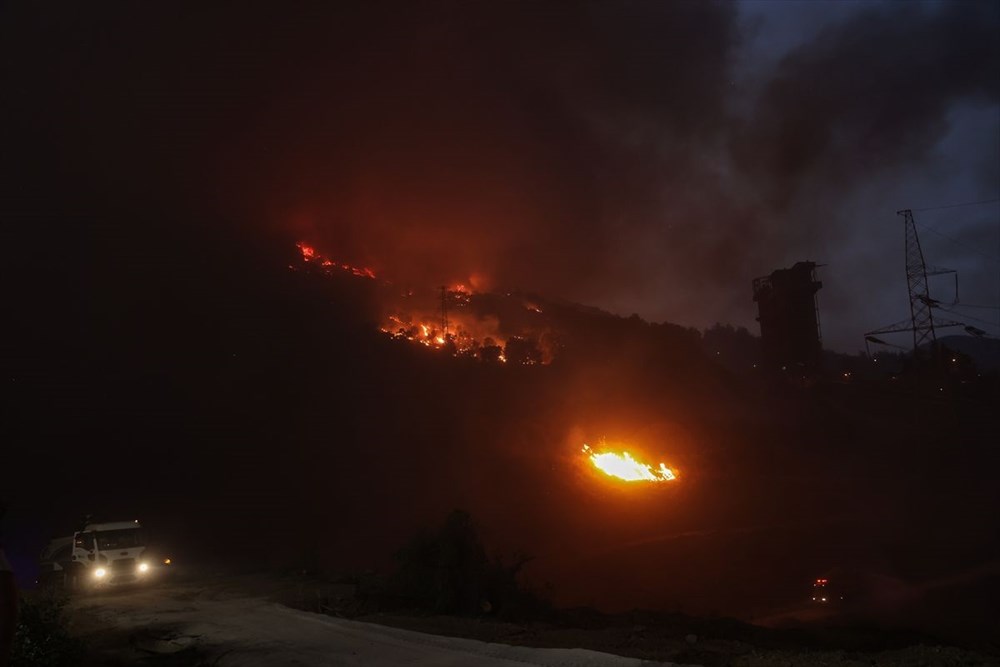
[(126, 538)]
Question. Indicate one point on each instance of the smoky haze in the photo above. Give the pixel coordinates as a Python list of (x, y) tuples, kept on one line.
[(161, 161), (612, 153)]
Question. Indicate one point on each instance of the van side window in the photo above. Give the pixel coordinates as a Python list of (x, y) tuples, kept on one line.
[(85, 541)]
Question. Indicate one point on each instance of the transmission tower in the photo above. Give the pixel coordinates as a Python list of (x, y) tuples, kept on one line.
[(916, 280), (921, 322)]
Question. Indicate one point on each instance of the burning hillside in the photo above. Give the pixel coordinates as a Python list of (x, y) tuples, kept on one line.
[(454, 319), (309, 254)]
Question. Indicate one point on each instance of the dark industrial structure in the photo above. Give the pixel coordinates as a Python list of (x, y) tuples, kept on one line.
[(789, 317)]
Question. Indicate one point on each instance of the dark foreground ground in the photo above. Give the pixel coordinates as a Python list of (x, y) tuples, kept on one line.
[(258, 619)]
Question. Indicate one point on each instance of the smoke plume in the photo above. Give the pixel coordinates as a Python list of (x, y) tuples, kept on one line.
[(602, 151)]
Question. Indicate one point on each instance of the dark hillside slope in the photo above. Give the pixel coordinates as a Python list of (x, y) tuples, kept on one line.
[(253, 404)]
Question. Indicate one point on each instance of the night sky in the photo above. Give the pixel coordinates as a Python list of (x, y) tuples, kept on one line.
[(642, 157)]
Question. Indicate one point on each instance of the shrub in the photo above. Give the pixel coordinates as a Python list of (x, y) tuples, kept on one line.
[(41, 638), (448, 571)]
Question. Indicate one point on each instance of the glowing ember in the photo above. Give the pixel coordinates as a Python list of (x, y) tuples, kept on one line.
[(363, 272), (308, 252), (623, 466)]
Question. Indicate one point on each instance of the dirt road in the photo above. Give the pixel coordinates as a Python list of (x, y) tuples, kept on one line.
[(187, 624)]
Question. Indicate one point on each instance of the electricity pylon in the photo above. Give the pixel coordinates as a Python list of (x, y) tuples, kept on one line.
[(921, 322)]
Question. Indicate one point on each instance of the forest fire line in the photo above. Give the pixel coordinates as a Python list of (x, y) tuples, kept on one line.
[(459, 343), (468, 336), (458, 340), (624, 467), (309, 254), (447, 322)]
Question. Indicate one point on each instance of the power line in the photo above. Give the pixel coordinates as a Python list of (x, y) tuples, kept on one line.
[(957, 242), (969, 317), (974, 305), (968, 203)]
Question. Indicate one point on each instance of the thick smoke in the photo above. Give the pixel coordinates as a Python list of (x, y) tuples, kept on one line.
[(866, 118), (867, 96), (601, 151)]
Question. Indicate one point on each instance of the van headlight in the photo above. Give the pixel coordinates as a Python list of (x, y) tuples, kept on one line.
[(143, 567), (100, 572)]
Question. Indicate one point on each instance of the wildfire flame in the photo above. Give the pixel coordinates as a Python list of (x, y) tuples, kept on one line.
[(309, 254), (459, 342), (624, 467), (460, 332)]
